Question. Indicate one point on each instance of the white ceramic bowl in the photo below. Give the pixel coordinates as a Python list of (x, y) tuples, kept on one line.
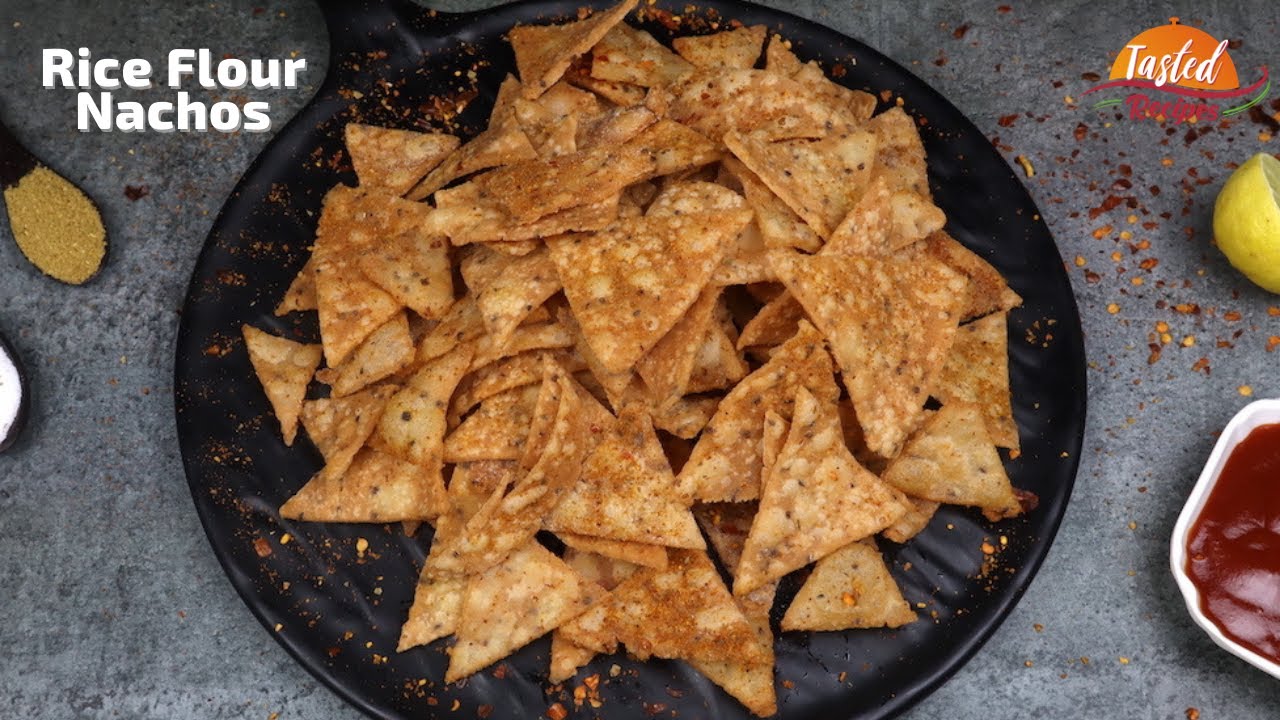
[(1261, 412)]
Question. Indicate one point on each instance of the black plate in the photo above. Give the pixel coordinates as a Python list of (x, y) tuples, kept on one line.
[(340, 615)]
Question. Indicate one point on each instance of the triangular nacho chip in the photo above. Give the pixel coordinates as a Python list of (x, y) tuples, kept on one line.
[(284, 368), (819, 179), (900, 152), (890, 323), (717, 365), (496, 430), (301, 294), (977, 371), (566, 657), (884, 221), (620, 496), (467, 215), (951, 459), (620, 94), (508, 288), (734, 49), (513, 603), (339, 427), (386, 351), (667, 367), (715, 102), (632, 553), (850, 588), (775, 322), (528, 336), (919, 513), (551, 133), (412, 265), (376, 488), (413, 424), (437, 602), (726, 462), (609, 274), (853, 105), (684, 611), (474, 482), (630, 55), (779, 57), (544, 52), (503, 375), (987, 291), (461, 324), (816, 499), (351, 306), (686, 417), (394, 160), (673, 147), (684, 197), (780, 226)]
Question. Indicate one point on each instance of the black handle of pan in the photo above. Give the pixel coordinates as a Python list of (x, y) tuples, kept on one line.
[(383, 25)]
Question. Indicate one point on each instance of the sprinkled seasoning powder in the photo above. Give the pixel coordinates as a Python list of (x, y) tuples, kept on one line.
[(56, 226)]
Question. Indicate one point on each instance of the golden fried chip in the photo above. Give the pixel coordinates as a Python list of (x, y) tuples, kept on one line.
[(301, 294), (667, 367), (951, 459), (776, 321), (686, 417), (508, 288), (544, 52), (376, 488), (437, 602), (684, 197), (749, 681), (726, 462), (987, 291), (977, 372), (413, 424), (387, 351), (816, 499), (284, 368), (717, 365), (620, 496), (819, 179), (503, 142), (566, 657), (919, 513), (551, 134), (900, 152), (467, 215), (620, 94), (733, 49), (411, 264), (503, 375), (350, 305), (476, 481), (780, 226), (850, 588), (339, 427), (673, 147), (633, 553), (890, 323), (528, 336), (630, 55), (394, 160), (513, 603), (853, 105), (614, 384), (715, 102), (629, 265), (780, 59), (496, 430)]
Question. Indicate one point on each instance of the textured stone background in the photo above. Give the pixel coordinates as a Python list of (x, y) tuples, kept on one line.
[(113, 605)]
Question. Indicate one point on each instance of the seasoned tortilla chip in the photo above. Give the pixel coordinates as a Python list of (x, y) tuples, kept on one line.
[(977, 372), (819, 179), (413, 424), (544, 52), (816, 499), (566, 657), (726, 462), (461, 324), (614, 384), (779, 57), (951, 459), (715, 102), (717, 365), (634, 553), (411, 264), (987, 292), (340, 426), (890, 323), (376, 488), (502, 143), (620, 496), (284, 368), (350, 305), (394, 160), (384, 353), (744, 269), (919, 513), (508, 288), (853, 105), (620, 94), (511, 604), (630, 55), (437, 602), (780, 226), (495, 431), (474, 482), (900, 152), (301, 294), (686, 417), (550, 133), (503, 375), (667, 367), (872, 227), (733, 49), (632, 263), (776, 321), (673, 147), (680, 198), (750, 681), (467, 215), (850, 588), (526, 337)]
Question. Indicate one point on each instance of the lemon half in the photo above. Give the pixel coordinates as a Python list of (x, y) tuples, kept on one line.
[(1246, 220)]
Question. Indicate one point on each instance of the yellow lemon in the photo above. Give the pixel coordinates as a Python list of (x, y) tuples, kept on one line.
[(1246, 220)]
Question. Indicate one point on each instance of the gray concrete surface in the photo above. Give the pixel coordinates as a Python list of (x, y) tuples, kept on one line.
[(112, 604)]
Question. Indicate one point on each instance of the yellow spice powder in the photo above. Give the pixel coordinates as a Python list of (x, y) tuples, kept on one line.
[(56, 226)]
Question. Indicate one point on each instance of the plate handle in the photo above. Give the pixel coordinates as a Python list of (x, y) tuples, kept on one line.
[(384, 25)]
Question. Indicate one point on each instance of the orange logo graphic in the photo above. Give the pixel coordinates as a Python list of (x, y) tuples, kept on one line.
[(1187, 74)]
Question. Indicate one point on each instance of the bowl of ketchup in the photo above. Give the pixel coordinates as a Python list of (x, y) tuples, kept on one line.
[(1225, 550)]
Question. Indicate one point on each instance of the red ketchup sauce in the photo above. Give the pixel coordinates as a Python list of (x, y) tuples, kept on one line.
[(1233, 550)]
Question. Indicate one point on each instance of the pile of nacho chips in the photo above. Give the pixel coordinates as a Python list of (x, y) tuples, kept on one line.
[(667, 296)]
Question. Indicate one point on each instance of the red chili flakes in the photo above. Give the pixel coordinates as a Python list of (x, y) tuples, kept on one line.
[(940, 61), (1004, 9), (1273, 311), (1231, 316), (1102, 232), (1007, 120), (1187, 309), (1149, 263), (1201, 365), (136, 192), (557, 712), (1081, 131), (262, 547), (960, 31), (500, 672), (1272, 342), (1110, 203), (650, 709), (1091, 277), (1154, 357), (838, 71), (789, 685), (1090, 76), (1193, 713), (484, 711)]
